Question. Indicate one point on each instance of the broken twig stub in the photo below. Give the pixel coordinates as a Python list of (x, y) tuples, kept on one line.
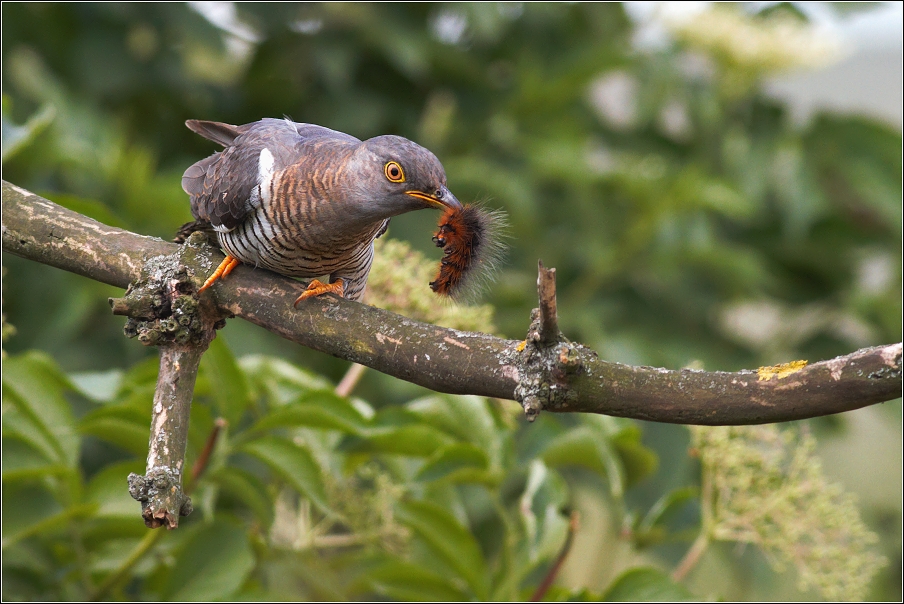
[(546, 357)]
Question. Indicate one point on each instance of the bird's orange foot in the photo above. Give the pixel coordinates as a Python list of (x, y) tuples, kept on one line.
[(316, 288), (224, 269)]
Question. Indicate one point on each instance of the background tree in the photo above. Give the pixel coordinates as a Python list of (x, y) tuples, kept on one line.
[(691, 224)]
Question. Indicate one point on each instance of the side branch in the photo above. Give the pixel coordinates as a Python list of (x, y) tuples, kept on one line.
[(160, 490), (546, 292), (448, 360), (164, 312)]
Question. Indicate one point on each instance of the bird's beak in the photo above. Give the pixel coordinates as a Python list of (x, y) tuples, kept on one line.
[(443, 198)]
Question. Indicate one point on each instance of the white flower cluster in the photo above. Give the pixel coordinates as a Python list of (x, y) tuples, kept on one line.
[(758, 45), (768, 489)]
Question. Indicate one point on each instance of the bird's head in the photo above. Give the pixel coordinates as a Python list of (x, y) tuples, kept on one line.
[(395, 175)]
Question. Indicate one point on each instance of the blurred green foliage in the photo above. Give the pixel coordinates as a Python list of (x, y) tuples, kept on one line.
[(690, 221)]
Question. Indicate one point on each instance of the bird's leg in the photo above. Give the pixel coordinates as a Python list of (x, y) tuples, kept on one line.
[(224, 269), (354, 279), (316, 288)]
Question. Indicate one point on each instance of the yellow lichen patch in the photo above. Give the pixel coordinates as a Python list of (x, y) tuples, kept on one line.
[(521, 346), (782, 370)]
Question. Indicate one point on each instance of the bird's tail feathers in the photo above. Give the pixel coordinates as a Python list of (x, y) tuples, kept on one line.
[(202, 226), (218, 132)]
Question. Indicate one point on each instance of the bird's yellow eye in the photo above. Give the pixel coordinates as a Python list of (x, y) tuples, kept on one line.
[(393, 172)]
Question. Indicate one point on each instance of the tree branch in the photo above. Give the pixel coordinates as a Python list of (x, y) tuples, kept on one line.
[(164, 311), (160, 490), (350, 379), (448, 360)]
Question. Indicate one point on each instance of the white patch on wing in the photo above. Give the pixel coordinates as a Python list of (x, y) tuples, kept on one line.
[(265, 164), (265, 173), (221, 229)]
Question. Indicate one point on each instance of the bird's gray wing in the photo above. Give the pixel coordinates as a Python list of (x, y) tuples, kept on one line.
[(224, 187), (308, 132)]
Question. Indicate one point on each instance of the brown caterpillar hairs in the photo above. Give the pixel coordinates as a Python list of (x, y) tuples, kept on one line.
[(472, 247)]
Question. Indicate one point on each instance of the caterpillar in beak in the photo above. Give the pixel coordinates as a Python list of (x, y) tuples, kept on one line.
[(471, 239)]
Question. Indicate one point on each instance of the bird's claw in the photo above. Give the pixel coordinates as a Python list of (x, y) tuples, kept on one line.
[(316, 288), (224, 269)]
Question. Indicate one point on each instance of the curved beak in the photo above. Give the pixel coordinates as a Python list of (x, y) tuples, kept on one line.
[(442, 198)]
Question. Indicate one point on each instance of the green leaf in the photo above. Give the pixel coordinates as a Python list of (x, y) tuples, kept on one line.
[(102, 529), (646, 532), (30, 509), (577, 447), (109, 555), (15, 138), (99, 386), (35, 385), (294, 464), (281, 380), (124, 426), (17, 425), (416, 440), (558, 593), (859, 156), (695, 188), (545, 526), (466, 417), (317, 409), (200, 426), (611, 447), (227, 381), (247, 488), (450, 541), (646, 585), (21, 461), (109, 489), (876, 189), (456, 460), (28, 570), (25, 506), (214, 563), (141, 377), (407, 582), (638, 460)]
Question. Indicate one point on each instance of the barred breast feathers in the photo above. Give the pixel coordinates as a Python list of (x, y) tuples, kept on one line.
[(304, 225)]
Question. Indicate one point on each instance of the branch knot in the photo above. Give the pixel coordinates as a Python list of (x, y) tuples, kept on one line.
[(544, 371), (163, 307), (547, 357), (161, 497)]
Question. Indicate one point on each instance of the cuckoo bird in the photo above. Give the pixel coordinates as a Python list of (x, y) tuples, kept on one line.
[(306, 201)]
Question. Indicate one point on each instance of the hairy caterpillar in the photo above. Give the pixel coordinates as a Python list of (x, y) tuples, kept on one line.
[(471, 241)]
